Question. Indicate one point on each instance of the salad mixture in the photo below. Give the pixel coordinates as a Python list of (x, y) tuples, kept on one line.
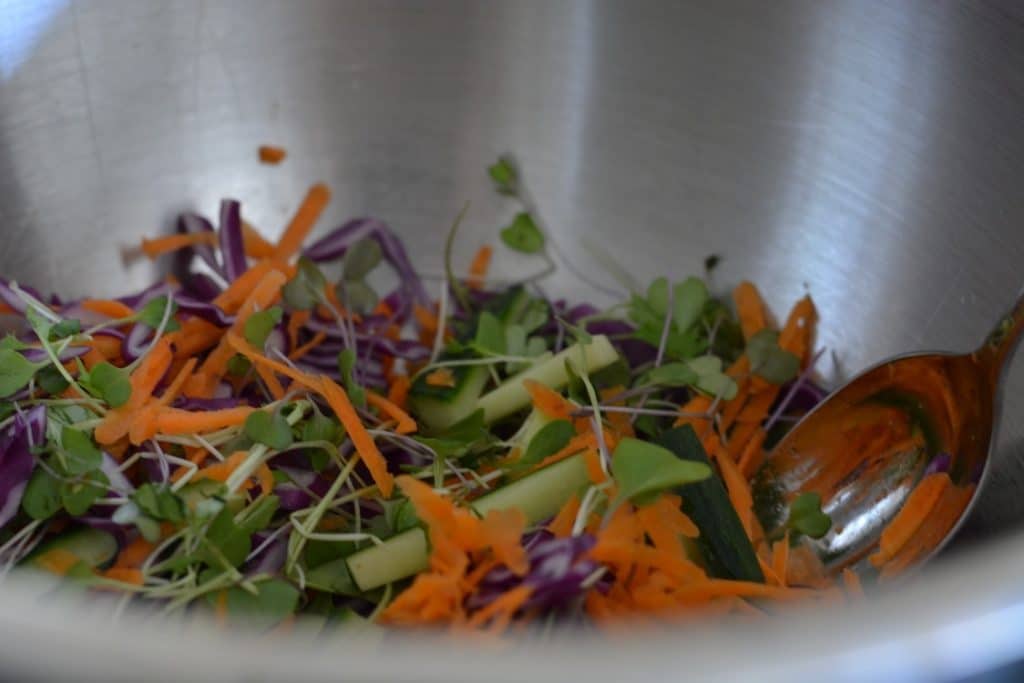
[(263, 434)]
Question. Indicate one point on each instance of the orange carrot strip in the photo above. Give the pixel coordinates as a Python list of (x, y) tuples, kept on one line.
[(300, 351), (108, 347), (92, 358), (174, 421), (243, 347), (220, 471), (262, 296), (266, 479), (108, 307), (295, 323), (753, 454), (256, 245), (272, 382), (174, 388), (561, 525), (270, 154), (548, 401), (57, 561), (500, 611), (851, 582), (143, 381), (398, 392), (163, 245), (780, 558), (361, 439), (478, 268), (406, 425), (125, 575), (503, 530), (750, 307), (231, 298), (736, 485), (442, 377), (135, 553), (310, 209), (195, 336), (915, 510)]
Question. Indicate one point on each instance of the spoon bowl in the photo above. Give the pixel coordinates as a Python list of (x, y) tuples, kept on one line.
[(867, 446)]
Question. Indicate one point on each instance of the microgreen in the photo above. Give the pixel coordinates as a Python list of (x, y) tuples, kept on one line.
[(50, 380), (238, 365), (551, 438), (506, 178), (78, 495), (153, 313), (806, 516), (274, 600), (523, 235), (41, 499), (260, 324), (81, 454), (304, 290), (269, 429), (15, 371), (228, 539), (490, 334), (346, 366), (360, 259), (357, 295), (643, 470), (109, 383), (65, 328), (322, 428), (769, 361), (159, 502)]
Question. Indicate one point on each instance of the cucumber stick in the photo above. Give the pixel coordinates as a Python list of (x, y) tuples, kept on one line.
[(539, 496), (728, 552), (511, 396)]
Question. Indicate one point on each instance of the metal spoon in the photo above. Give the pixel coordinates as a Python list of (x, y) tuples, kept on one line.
[(869, 443)]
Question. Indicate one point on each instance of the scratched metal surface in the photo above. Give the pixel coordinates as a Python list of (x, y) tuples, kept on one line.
[(870, 152)]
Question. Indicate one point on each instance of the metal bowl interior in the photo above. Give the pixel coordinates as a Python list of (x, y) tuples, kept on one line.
[(867, 152)]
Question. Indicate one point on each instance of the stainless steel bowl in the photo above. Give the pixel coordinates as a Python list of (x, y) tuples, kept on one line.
[(871, 152)]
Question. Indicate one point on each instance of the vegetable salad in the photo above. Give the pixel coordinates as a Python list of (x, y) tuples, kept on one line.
[(264, 434)]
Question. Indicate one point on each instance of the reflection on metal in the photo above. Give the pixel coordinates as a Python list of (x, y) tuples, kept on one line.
[(22, 25)]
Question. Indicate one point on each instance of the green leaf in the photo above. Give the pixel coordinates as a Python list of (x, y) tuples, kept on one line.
[(79, 495), (232, 541), (260, 324), (657, 298), (806, 517), (269, 429), (523, 235), (65, 328), (769, 361), (551, 438), (259, 515), (275, 600), (705, 365), (15, 372), (82, 454), (152, 314), (322, 428), (149, 528), (490, 334), (718, 384), (535, 315), (643, 315), (111, 384), (159, 502), (460, 437), (41, 499), (50, 380), (503, 173), (304, 290), (346, 365), (671, 375), (13, 343), (361, 258), (688, 300), (357, 295), (643, 470), (238, 365)]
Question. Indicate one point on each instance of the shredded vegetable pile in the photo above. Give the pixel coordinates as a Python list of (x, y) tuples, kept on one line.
[(263, 434)]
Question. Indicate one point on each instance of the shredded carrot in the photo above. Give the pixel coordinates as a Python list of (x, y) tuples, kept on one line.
[(398, 392), (265, 477), (735, 483), (753, 314), (57, 561), (753, 454), (561, 525), (6, 308), (135, 553), (300, 351), (442, 377), (174, 388), (232, 298), (173, 421), (361, 439), (503, 530), (269, 154), (499, 613), (478, 268), (108, 307), (220, 471), (143, 381), (780, 558), (296, 321), (548, 401), (310, 209), (125, 575), (406, 425), (164, 245), (255, 244), (851, 582), (273, 384), (915, 510)]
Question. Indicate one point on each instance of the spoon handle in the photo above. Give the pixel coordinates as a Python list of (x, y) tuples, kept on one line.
[(1002, 341)]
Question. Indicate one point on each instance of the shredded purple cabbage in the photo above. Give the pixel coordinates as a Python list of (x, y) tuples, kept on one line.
[(232, 248), (26, 431)]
